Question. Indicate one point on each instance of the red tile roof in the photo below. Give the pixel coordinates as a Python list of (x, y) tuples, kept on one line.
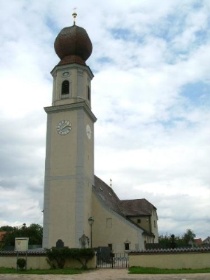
[(198, 241), (2, 234)]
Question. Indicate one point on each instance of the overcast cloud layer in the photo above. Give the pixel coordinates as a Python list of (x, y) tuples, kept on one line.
[(150, 93)]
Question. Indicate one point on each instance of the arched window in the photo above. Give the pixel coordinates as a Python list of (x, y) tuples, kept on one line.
[(65, 87)]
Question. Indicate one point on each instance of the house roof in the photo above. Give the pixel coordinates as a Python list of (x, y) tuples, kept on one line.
[(137, 207), (198, 241), (125, 208), (133, 207), (207, 240), (2, 234), (107, 194)]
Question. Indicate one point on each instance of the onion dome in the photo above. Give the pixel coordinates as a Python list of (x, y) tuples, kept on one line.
[(73, 45)]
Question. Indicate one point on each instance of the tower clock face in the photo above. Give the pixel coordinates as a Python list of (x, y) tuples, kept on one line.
[(88, 131), (64, 127)]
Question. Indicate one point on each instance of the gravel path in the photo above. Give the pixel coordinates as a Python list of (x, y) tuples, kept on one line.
[(106, 274)]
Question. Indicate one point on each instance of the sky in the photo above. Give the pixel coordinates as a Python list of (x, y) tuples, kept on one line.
[(150, 94)]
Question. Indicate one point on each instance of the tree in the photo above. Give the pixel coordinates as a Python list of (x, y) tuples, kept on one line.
[(6, 228), (34, 232), (188, 237), (164, 241), (172, 241)]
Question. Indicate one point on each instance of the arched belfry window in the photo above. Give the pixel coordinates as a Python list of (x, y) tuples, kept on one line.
[(65, 87)]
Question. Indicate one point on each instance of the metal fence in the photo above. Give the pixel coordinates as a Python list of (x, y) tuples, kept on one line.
[(117, 260)]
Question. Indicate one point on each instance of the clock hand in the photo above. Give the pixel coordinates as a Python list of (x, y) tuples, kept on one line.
[(66, 126)]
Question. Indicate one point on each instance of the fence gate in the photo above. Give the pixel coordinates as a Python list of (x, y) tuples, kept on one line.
[(106, 259)]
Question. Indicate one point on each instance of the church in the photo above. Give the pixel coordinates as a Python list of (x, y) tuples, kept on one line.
[(80, 210)]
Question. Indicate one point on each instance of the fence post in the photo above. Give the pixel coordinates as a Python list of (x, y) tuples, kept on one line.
[(112, 257)]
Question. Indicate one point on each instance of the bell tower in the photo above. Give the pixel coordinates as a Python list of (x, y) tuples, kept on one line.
[(69, 165)]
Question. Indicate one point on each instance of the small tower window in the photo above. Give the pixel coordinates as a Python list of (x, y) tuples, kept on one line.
[(65, 87), (88, 93), (127, 246)]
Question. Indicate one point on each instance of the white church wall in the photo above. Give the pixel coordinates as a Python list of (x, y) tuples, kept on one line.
[(111, 228)]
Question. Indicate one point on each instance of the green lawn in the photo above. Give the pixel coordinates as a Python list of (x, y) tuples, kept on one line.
[(40, 271), (152, 270)]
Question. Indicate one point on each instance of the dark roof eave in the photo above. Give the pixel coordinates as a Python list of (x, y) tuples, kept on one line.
[(139, 215), (148, 233)]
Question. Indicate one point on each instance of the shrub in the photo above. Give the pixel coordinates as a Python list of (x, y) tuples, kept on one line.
[(57, 257), (21, 263)]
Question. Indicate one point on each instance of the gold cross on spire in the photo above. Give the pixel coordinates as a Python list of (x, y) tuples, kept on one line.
[(74, 15)]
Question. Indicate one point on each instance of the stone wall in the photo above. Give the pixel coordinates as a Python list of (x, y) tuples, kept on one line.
[(172, 258), (36, 260)]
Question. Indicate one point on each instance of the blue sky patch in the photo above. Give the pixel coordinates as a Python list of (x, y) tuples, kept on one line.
[(104, 60), (127, 35), (121, 33), (52, 24), (197, 93)]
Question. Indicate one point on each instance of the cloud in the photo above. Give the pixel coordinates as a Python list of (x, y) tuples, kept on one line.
[(150, 94)]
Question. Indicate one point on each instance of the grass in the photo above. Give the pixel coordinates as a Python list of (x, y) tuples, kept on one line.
[(153, 270), (132, 270), (40, 271)]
